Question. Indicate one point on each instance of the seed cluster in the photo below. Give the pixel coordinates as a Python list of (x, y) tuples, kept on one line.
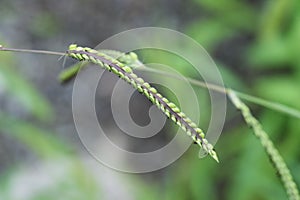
[(126, 73)]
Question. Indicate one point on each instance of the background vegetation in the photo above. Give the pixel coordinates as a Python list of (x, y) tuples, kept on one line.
[(256, 47)]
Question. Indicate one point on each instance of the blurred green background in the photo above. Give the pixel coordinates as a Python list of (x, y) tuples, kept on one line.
[(254, 43)]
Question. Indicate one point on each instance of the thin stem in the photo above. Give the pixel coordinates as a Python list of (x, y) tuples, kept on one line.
[(269, 104), (256, 100), (210, 86), (32, 51)]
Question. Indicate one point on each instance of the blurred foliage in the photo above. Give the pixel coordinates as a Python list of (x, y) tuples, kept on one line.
[(47, 148), (254, 43), (274, 29), (21, 91), (268, 57)]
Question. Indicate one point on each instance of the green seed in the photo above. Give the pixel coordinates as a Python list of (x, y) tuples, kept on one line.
[(127, 69), (153, 90)]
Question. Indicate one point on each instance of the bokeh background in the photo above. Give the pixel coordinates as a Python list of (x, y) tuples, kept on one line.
[(254, 43)]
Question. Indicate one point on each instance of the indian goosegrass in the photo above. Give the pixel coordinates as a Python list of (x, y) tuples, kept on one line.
[(122, 64), (275, 157), (126, 73)]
